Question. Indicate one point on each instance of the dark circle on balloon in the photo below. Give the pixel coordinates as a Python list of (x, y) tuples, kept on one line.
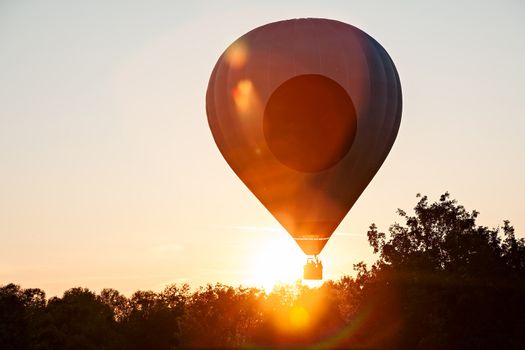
[(309, 123)]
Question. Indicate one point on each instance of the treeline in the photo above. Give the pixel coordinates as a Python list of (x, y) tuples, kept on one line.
[(440, 282)]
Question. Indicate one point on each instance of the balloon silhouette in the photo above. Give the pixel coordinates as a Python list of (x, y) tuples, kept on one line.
[(305, 112)]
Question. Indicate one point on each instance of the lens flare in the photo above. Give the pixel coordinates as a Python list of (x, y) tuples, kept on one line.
[(277, 261), (237, 54), (244, 97), (299, 317)]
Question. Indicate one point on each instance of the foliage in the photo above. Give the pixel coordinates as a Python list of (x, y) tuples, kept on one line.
[(440, 281), (457, 284)]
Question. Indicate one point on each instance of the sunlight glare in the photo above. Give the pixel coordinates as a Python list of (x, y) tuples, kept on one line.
[(299, 317), (278, 261), (237, 54), (244, 97), (313, 283)]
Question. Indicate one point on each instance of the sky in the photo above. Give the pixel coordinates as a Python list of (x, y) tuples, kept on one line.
[(109, 175)]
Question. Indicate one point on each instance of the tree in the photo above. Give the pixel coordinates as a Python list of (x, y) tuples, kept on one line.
[(78, 320), (18, 310), (154, 319), (227, 316), (118, 303), (457, 284)]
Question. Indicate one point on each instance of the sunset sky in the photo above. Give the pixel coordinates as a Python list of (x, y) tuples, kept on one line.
[(109, 175)]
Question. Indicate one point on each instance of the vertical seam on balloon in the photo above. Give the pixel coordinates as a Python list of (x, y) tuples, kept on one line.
[(242, 73), (398, 102), (399, 90), (369, 54), (293, 47), (269, 61), (247, 72), (392, 101), (373, 169), (210, 107), (347, 80), (343, 54), (210, 94), (215, 102), (316, 34)]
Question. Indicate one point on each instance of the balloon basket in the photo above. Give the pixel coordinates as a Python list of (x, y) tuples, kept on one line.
[(313, 269)]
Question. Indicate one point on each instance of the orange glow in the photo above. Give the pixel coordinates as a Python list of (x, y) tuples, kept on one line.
[(297, 311), (244, 97), (299, 317), (277, 261), (237, 54)]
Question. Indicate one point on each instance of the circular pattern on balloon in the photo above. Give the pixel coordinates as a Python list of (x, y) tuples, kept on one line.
[(309, 123)]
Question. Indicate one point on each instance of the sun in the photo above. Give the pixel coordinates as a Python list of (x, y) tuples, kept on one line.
[(277, 260)]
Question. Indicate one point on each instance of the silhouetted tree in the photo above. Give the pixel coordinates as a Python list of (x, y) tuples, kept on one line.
[(456, 284), (78, 320), (118, 303), (18, 310), (154, 320), (221, 316)]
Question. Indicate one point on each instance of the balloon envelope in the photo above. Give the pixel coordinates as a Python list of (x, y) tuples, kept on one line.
[(305, 112)]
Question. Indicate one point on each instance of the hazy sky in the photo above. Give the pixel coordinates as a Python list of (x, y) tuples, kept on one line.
[(109, 175)]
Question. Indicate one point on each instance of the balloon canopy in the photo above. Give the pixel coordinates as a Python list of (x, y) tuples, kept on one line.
[(305, 112)]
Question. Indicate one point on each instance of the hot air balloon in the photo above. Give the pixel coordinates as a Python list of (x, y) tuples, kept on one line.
[(305, 112)]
